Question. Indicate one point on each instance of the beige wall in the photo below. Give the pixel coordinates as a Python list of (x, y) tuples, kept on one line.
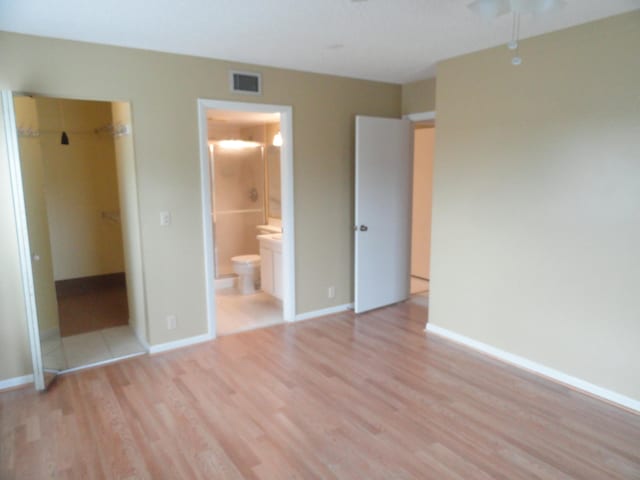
[(536, 221), (130, 219), (81, 183), (163, 90), (419, 97), (423, 141)]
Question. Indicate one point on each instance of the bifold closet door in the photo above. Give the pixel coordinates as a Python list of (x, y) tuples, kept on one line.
[(27, 184)]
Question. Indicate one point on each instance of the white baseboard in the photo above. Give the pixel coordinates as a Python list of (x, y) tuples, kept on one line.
[(142, 341), (185, 342), (16, 382), (537, 368), (323, 312)]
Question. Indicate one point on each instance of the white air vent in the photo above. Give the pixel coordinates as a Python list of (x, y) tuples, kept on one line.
[(246, 82)]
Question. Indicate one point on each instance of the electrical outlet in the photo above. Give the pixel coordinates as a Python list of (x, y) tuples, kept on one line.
[(171, 322), (331, 292), (165, 219)]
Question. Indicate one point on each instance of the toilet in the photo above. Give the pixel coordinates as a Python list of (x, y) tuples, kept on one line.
[(247, 267)]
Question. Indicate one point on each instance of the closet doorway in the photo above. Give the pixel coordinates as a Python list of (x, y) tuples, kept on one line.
[(77, 176)]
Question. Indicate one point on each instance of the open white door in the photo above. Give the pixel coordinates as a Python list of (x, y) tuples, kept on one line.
[(27, 180), (384, 149)]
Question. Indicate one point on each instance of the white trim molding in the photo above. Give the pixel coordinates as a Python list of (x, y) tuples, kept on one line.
[(141, 340), (16, 382), (184, 342), (323, 312), (537, 368), (420, 117)]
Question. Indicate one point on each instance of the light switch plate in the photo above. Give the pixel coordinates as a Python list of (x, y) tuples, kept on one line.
[(165, 219)]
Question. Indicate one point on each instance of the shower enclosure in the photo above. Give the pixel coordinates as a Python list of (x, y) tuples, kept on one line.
[(238, 171)]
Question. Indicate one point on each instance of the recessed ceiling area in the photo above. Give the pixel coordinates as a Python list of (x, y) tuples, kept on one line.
[(387, 40)]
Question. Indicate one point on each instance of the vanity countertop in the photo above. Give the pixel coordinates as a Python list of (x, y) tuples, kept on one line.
[(272, 241)]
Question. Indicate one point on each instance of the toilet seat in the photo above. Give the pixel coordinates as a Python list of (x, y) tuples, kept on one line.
[(247, 259)]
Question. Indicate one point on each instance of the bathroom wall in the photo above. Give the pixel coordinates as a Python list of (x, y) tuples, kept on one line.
[(80, 185), (273, 162), (254, 133)]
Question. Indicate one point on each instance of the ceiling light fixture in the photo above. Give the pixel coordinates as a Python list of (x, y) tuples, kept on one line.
[(236, 144), (491, 9)]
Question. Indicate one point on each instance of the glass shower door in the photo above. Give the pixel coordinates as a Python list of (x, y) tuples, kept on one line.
[(238, 203)]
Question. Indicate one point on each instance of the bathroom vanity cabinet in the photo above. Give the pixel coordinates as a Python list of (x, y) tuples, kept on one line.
[(271, 264)]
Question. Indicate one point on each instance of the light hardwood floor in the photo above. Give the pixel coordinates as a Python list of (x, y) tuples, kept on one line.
[(362, 397)]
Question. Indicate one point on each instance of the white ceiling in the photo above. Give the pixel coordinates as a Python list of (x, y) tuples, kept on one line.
[(388, 40)]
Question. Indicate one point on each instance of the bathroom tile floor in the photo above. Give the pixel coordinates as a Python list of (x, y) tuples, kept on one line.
[(238, 313), (87, 349)]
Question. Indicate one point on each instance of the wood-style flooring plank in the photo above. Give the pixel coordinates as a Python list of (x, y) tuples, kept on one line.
[(342, 397)]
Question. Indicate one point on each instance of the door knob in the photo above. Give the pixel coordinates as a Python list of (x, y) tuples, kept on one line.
[(363, 228)]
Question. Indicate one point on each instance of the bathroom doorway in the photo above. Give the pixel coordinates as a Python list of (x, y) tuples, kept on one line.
[(78, 180), (248, 212)]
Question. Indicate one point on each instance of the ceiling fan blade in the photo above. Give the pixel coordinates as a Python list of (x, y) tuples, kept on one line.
[(535, 6), (490, 8)]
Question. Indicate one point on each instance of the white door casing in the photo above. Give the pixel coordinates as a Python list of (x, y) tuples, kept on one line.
[(286, 179)]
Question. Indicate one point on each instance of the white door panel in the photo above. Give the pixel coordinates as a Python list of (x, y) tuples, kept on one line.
[(382, 211), (27, 184)]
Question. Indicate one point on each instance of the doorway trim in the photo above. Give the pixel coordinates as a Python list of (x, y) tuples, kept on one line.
[(24, 247), (420, 116), (286, 179)]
